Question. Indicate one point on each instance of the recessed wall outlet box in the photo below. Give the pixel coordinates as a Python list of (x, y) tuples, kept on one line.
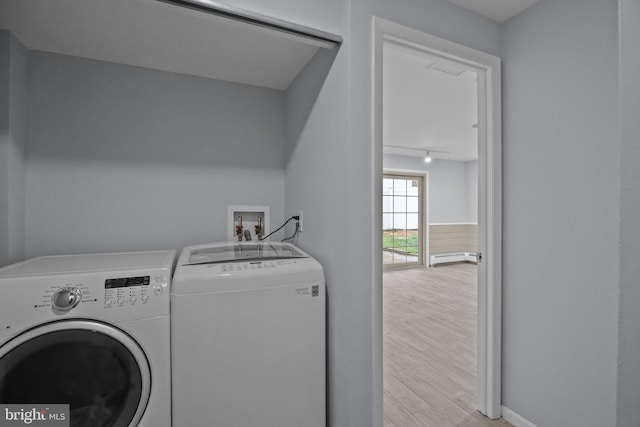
[(248, 218)]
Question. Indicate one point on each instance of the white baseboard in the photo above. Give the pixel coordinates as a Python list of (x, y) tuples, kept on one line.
[(453, 257), (515, 419)]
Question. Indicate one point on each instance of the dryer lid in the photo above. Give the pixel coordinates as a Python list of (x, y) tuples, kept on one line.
[(233, 252)]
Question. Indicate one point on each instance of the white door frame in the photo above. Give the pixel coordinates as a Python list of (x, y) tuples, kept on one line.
[(489, 205)]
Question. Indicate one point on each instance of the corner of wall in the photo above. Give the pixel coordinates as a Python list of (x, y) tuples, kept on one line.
[(628, 375), (13, 57), (17, 119), (5, 60)]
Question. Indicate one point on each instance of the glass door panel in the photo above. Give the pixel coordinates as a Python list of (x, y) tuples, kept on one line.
[(402, 230)]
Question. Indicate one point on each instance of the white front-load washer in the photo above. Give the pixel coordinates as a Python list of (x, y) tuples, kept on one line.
[(91, 332), (248, 337)]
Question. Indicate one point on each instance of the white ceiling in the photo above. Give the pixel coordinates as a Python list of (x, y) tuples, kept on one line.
[(497, 10), (152, 34), (427, 109)]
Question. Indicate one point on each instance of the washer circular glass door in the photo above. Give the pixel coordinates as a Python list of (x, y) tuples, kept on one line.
[(100, 371)]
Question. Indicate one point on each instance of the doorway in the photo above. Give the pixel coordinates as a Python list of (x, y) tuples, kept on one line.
[(430, 114), (488, 297)]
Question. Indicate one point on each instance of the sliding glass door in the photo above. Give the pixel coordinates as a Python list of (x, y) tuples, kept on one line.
[(402, 224)]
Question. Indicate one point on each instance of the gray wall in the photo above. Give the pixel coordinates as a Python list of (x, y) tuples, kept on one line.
[(451, 187), (5, 63), (316, 175), (13, 66), (17, 150), (125, 158), (561, 213), (629, 347)]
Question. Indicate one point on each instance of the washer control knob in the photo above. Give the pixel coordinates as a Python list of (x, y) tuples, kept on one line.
[(108, 302), (65, 298), (145, 297), (133, 299), (120, 301)]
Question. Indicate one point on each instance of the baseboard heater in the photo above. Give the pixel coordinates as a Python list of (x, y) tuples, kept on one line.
[(453, 257)]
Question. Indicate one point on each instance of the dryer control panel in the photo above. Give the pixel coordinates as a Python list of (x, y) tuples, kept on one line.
[(117, 287), (132, 291), (117, 294), (107, 296)]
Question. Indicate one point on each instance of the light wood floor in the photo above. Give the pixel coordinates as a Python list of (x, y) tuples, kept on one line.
[(430, 348)]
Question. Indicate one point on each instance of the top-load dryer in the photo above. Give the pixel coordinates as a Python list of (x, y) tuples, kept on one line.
[(248, 337)]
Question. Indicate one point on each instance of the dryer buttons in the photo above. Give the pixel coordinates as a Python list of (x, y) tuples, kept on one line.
[(138, 296)]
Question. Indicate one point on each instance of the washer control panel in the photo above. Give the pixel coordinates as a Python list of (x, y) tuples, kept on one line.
[(252, 265), (133, 291)]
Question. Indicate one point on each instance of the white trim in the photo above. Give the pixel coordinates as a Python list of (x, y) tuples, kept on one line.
[(452, 257), (404, 171), (454, 223), (377, 172), (515, 419), (489, 206), (493, 258)]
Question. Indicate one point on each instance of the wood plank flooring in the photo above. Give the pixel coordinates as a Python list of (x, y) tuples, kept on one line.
[(430, 348)]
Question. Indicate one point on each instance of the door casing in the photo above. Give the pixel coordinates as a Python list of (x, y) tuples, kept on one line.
[(489, 322)]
